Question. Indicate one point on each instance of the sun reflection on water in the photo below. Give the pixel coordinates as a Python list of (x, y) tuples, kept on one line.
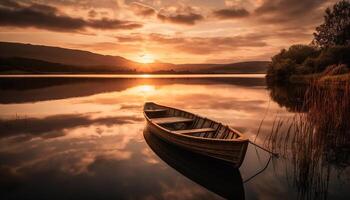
[(146, 76), (145, 89)]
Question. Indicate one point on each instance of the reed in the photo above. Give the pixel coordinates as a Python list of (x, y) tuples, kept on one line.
[(316, 141)]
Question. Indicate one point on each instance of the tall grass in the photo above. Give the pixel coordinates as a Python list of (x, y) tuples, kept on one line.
[(315, 140)]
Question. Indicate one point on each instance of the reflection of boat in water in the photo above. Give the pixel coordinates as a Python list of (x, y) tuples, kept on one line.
[(215, 175), (195, 133)]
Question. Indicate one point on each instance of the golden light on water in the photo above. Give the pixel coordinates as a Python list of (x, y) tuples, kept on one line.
[(146, 76), (145, 89)]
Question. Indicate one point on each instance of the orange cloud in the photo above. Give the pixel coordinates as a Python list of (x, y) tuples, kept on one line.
[(231, 13), (180, 15), (142, 10), (50, 18)]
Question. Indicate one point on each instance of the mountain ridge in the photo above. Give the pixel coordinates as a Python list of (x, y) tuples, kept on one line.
[(15, 56)]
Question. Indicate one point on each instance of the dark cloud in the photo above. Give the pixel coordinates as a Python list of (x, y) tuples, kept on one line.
[(289, 6), (289, 21), (82, 4), (289, 12), (106, 23), (142, 10), (231, 13), (50, 18), (186, 16), (53, 126), (92, 13)]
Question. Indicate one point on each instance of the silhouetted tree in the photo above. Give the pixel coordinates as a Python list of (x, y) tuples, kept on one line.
[(289, 61), (336, 27)]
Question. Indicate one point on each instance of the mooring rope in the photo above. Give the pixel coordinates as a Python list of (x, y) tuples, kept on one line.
[(272, 153)]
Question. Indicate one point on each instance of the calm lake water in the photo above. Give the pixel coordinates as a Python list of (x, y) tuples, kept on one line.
[(84, 137)]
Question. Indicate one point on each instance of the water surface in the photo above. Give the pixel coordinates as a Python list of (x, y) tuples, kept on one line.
[(83, 137)]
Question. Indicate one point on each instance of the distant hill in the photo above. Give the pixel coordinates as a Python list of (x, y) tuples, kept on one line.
[(64, 56), (241, 67), (27, 58), (28, 65)]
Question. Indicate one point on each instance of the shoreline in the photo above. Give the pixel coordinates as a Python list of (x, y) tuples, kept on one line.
[(132, 75), (322, 79)]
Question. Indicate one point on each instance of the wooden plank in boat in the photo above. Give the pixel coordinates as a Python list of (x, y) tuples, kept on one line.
[(192, 131), (155, 110), (170, 120)]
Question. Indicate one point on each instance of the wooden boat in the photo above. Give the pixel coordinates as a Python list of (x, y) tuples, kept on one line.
[(215, 175), (196, 133)]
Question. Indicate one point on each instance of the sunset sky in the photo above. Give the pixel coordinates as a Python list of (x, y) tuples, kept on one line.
[(176, 31)]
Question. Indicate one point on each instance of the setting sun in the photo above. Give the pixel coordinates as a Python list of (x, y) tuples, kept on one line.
[(146, 58)]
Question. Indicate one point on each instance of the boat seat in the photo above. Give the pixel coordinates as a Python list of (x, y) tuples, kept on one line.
[(193, 131), (155, 110), (170, 120)]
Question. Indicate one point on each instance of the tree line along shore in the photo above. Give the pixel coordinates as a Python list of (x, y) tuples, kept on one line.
[(326, 60)]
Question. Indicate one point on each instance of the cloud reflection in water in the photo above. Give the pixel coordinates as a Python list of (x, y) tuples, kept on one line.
[(86, 136)]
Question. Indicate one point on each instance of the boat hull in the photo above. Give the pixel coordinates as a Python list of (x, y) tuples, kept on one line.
[(226, 150)]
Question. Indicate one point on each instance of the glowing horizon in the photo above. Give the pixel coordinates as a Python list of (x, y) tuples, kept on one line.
[(187, 31)]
